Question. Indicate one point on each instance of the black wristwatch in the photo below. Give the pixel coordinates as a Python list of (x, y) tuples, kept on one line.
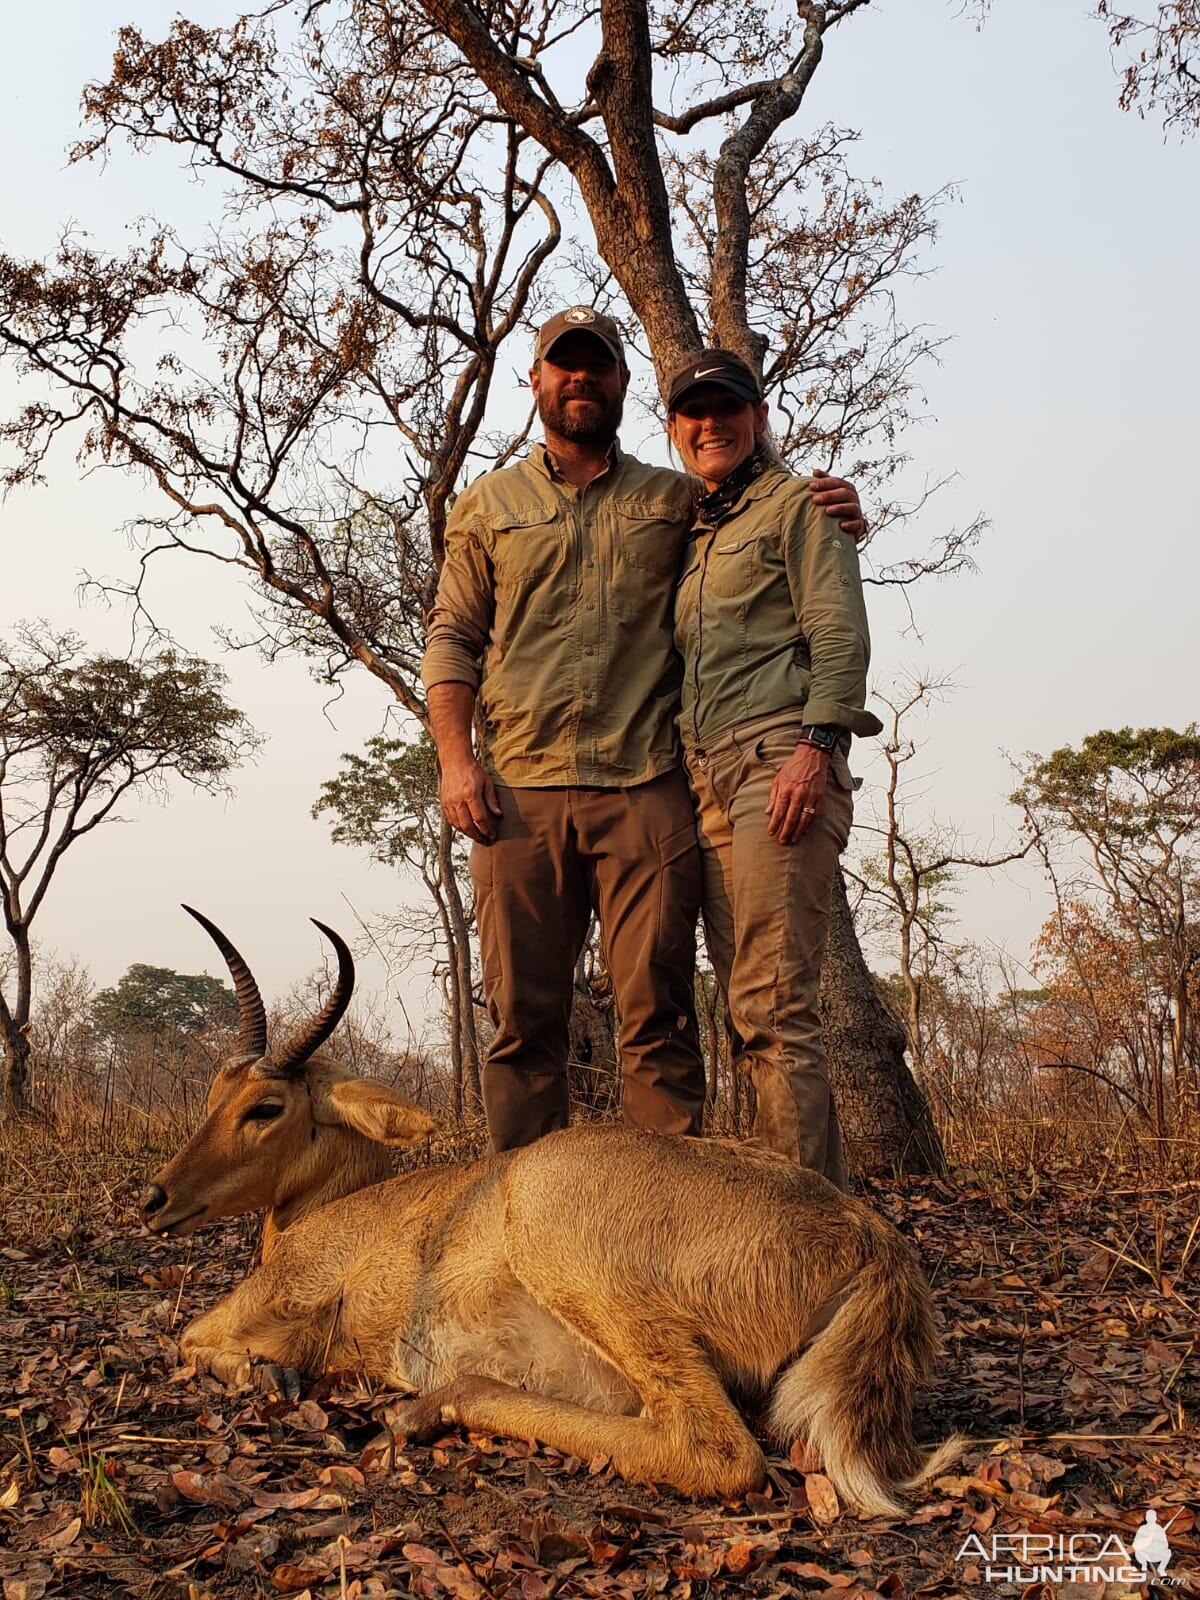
[(823, 735)]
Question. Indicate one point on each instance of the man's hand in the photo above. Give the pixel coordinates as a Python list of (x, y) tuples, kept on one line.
[(839, 499), (469, 801), (797, 794), (467, 794)]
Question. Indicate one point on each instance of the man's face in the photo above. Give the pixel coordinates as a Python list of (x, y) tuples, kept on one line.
[(580, 387)]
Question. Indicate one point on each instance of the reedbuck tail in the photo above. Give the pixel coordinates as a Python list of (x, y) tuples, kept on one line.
[(850, 1393)]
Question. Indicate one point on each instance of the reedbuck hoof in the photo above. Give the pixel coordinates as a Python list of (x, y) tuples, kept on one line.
[(270, 1379), (428, 1416), (239, 1370)]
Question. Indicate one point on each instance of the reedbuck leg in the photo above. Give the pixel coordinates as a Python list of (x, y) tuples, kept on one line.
[(247, 1334), (690, 1436)]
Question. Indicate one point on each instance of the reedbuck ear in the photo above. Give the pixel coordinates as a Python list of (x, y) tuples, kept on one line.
[(377, 1112)]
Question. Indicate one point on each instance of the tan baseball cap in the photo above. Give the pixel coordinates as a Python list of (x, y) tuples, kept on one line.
[(579, 319)]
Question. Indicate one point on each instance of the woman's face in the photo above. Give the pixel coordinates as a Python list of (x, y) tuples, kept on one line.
[(714, 431)]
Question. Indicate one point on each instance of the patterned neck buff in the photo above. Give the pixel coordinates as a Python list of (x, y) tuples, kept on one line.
[(715, 505)]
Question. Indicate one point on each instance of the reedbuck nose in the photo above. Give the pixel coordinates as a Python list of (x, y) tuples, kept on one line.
[(153, 1200)]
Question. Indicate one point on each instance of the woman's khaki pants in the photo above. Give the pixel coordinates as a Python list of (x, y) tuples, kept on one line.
[(766, 916)]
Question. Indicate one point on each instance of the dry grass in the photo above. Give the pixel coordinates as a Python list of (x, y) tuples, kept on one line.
[(80, 1165), (90, 1161), (1032, 1137)]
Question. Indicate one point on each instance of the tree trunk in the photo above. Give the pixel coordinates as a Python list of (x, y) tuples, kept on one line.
[(593, 1066), (884, 1115), (916, 1043), (460, 976), (14, 1094), (453, 1006), (451, 998), (14, 1019), (706, 1014)]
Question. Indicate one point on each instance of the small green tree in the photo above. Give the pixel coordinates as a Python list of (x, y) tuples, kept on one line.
[(1117, 823), (162, 1004), (77, 734), (386, 801)]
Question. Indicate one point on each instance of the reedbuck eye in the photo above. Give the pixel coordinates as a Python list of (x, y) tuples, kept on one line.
[(264, 1111)]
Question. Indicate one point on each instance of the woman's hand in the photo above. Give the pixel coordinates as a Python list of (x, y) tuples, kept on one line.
[(797, 794), (839, 499)]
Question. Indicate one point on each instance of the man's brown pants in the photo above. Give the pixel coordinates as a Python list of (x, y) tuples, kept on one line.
[(633, 853)]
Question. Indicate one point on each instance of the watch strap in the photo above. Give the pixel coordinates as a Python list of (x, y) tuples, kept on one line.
[(821, 736)]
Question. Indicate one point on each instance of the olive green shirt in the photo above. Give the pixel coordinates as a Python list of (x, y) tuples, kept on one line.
[(556, 605), (769, 615)]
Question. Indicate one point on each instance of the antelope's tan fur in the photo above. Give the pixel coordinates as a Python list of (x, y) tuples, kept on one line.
[(605, 1291)]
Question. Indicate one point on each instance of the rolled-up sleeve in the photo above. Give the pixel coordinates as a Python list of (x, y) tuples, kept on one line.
[(827, 594), (461, 619)]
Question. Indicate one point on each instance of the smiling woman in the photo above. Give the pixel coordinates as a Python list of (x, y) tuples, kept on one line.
[(716, 428), (769, 618)]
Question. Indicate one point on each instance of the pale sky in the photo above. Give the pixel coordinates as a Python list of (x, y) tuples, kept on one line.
[(1065, 274)]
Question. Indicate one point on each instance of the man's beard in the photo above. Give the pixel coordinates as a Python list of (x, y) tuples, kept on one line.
[(595, 427)]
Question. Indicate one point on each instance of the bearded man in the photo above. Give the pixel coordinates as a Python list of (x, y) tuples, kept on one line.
[(554, 610)]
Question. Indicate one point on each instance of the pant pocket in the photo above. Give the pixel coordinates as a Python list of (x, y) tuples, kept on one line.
[(839, 772), (776, 745), (479, 862), (839, 804)]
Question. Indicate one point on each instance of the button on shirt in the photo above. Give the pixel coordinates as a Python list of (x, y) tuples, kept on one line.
[(770, 616), (556, 604)]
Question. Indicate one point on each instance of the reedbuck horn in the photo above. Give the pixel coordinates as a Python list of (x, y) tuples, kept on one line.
[(310, 1039), (252, 1014)]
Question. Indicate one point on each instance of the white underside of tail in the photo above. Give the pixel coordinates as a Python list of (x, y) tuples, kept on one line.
[(800, 1408)]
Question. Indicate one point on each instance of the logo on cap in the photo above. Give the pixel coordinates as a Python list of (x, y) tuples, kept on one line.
[(579, 314)]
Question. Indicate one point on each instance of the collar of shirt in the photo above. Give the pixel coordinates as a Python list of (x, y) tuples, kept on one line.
[(541, 458), (755, 478)]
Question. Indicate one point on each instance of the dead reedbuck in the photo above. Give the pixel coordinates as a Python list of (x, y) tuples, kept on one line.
[(605, 1291)]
